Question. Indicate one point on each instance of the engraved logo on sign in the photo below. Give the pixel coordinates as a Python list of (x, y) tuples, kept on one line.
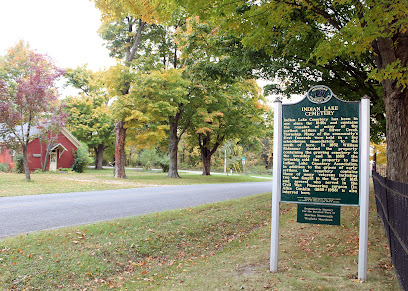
[(319, 94)]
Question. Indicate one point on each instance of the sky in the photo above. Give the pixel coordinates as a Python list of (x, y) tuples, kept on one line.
[(65, 30)]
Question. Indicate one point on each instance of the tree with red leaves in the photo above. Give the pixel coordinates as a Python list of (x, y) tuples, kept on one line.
[(27, 94)]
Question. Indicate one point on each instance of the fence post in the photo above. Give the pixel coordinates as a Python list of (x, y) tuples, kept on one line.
[(364, 187), (276, 184)]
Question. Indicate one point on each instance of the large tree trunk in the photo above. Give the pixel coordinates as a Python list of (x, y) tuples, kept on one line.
[(396, 108), (395, 97), (204, 141), (25, 163), (99, 156), (206, 160), (120, 150), (206, 153), (173, 149), (131, 49)]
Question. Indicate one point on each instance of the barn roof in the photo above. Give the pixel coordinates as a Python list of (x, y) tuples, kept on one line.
[(35, 132)]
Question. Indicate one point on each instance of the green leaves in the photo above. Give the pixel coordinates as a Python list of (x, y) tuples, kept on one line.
[(90, 118), (298, 44), (394, 72)]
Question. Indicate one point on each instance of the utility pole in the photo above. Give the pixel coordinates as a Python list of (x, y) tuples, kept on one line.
[(225, 161)]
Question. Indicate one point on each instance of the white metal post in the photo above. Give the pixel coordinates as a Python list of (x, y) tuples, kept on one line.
[(225, 161), (364, 187), (276, 184)]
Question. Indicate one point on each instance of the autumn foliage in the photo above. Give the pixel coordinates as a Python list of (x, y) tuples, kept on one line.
[(27, 93)]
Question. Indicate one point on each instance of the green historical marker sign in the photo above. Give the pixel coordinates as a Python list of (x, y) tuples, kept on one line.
[(321, 161), (317, 214), (320, 150)]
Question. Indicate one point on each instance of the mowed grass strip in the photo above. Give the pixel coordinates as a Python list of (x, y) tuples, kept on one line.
[(222, 246), (93, 180)]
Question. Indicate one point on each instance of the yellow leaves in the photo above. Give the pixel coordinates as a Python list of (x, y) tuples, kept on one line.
[(191, 22), (146, 138), (114, 77), (260, 105), (20, 51), (208, 119), (203, 130), (135, 115), (380, 151), (150, 11)]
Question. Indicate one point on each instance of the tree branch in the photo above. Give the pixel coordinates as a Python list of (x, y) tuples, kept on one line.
[(136, 43), (217, 144), (325, 15), (200, 144), (315, 9), (185, 128)]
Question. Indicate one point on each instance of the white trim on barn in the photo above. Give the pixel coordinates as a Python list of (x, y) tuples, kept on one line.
[(69, 136)]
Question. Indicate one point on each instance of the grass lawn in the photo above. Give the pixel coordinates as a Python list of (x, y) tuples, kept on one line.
[(92, 180), (222, 246)]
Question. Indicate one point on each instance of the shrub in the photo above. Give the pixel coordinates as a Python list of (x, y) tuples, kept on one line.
[(4, 167), (164, 162), (152, 157), (82, 159), (188, 166), (148, 158), (19, 163)]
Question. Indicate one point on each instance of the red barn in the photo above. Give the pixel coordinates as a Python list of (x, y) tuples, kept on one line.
[(61, 152), (6, 156)]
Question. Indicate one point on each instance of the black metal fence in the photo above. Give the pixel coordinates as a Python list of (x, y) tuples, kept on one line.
[(392, 207), (381, 169)]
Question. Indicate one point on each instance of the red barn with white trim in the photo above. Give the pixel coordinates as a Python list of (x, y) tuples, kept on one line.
[(61, 152)]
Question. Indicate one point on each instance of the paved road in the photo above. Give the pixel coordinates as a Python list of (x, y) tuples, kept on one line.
[(24, 214)]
